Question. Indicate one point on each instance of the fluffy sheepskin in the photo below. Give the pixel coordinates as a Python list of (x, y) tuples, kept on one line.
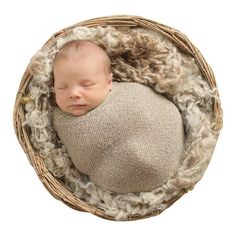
[(144, 57)]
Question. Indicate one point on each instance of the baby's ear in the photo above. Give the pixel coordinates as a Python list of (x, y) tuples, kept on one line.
[(52, 89), (110, 79), (52, 97)]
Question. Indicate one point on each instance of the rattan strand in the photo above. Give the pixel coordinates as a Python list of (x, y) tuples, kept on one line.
[(54, 186)]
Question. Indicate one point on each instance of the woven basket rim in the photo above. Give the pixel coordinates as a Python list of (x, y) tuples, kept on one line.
[(54, 186)]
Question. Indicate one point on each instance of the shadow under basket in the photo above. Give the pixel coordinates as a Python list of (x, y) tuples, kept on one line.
[(172, 190)]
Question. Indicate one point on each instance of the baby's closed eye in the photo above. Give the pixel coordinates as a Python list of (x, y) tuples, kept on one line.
[(61, 87), (88, 84)]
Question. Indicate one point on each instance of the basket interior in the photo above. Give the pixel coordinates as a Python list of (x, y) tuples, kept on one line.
[(157, 63)]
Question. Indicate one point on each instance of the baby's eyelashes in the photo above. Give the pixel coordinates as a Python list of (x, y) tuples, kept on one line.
[(84, 84), (64, 87), (88, 85)]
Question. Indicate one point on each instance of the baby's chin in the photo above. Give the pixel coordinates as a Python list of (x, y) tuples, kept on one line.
[(79, 111)]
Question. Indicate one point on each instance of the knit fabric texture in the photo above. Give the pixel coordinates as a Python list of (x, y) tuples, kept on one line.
[(132, 142)]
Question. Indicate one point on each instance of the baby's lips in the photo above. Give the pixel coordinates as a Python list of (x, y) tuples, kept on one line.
[(72, 105)]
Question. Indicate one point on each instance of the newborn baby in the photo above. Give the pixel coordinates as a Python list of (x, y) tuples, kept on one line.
[(82, 77), (124, 136)]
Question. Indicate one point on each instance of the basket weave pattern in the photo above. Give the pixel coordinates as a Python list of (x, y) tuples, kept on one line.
[(55, 187)]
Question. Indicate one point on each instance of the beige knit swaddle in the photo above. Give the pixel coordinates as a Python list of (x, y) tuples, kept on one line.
[(132, 142)]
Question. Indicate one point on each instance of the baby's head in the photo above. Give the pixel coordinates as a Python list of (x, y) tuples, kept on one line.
[(82, 77)]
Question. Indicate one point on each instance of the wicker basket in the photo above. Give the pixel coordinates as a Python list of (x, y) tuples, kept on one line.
[(54, 186)]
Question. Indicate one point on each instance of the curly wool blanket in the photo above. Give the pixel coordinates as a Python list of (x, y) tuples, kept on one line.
[(132, 142), (144, 57)]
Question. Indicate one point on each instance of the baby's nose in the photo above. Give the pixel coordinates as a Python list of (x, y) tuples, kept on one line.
[(75, 93), (73, 96)]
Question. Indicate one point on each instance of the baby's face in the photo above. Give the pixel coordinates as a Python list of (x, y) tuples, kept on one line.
[(81, 83)]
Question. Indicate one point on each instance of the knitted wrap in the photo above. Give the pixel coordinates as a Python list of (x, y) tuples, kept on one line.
[(132, 142)]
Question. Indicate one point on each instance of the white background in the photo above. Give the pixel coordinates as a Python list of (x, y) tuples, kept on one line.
[(26, 208)]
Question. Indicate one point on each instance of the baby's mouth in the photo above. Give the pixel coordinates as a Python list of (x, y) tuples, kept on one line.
[(77, 105)]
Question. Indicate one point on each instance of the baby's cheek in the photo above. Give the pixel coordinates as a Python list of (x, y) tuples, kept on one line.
[(60, 100)]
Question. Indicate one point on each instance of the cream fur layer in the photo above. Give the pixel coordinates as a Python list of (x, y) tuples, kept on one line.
[(137, 56)]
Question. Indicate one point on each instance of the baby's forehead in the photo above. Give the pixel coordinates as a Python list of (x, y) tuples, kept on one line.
[(92, 51), (82, 50)]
